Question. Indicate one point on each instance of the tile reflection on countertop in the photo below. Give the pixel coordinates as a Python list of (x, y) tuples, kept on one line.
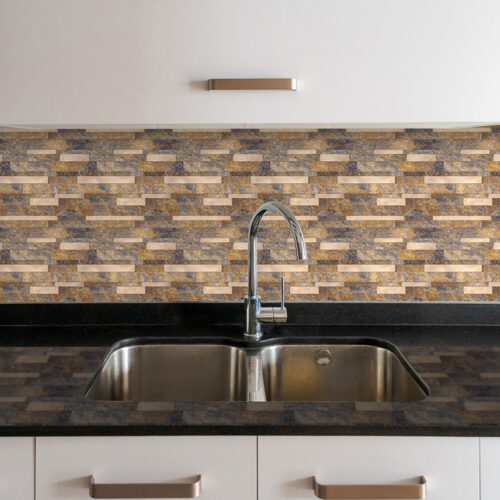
[(42, 388)]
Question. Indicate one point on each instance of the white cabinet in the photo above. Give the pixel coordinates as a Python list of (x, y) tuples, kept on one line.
[(227, 464), (490, 468), (288, 464), (17, 461), (146, 63)]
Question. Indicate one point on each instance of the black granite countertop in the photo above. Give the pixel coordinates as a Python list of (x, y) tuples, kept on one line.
[(45, 369)]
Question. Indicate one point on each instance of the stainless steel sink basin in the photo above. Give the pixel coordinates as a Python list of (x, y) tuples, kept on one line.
[(343, 370), (168, 372), (338, 373)]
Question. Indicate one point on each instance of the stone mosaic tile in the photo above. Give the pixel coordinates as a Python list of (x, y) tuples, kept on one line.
[(162, 215)]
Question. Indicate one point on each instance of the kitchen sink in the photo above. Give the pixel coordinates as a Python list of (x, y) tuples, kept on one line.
[(170, 372), (338, 373), (333, 370)]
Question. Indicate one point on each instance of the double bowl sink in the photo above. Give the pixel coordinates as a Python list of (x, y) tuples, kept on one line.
[(214, 370)]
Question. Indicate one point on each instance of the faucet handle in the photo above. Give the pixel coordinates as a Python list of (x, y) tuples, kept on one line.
[(279, 313), (282, 279)]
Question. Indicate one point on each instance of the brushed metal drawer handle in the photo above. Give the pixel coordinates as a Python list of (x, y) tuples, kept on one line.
[(252, 84), (370, 491), (145, 490)]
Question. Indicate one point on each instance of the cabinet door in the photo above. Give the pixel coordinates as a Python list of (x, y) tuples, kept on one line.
[(227, 464), (140, 63), (490, 468), (17, 461), (288, 464)]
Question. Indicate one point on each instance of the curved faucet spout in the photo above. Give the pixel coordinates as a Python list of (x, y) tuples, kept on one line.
[(298, 238), (254, 312)]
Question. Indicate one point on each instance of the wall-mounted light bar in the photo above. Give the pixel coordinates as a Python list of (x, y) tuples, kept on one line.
[(252, 84)]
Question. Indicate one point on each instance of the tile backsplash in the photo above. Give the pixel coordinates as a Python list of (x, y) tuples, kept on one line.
[(160, 215)]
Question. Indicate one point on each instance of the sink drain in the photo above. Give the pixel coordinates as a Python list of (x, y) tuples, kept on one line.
[(323, 357)]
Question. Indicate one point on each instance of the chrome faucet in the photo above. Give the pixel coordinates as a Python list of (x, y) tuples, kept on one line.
[(254, 312)]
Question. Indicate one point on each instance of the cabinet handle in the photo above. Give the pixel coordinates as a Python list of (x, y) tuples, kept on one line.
[(145, 490), (371, 491), (252, 84)]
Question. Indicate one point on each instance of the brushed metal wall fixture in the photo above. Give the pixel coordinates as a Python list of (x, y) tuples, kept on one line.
[(372, 491), (252, 84), (145, 490)]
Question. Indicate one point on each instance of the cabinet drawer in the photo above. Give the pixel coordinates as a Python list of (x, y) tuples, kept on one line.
[(287, 465), (226, 464), (17, 468)]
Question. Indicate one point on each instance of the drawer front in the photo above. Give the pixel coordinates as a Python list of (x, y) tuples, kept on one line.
[(17, 463), (287, 465), (490, 467), (227, 464)]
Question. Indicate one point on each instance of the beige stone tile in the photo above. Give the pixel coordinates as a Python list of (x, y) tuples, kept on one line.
[(366, 268), (304, 290), (420, 157), (478, 290), (391, 290), (44, 290), (41, 151), (214, 240), (74, 157), (391, 201), (388, 151), (461, 217), (279, 179), (192, 179), (248, 157), (453, 179), (41, 240), (161, 157), (105, 268), (334, 245), (24, 179), (130, 290), (217, 290), (105, 179), (115, 217), (475, 240), (74, 245), (334, 157), (478, 201), (366, 179), (44, 202), (421, 245), (388, 240), (453, 268), (474, 151), (192, 268), (161, 245), (24, 268), (375, 217), (131, 201), (128, 240), (201, 217)]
